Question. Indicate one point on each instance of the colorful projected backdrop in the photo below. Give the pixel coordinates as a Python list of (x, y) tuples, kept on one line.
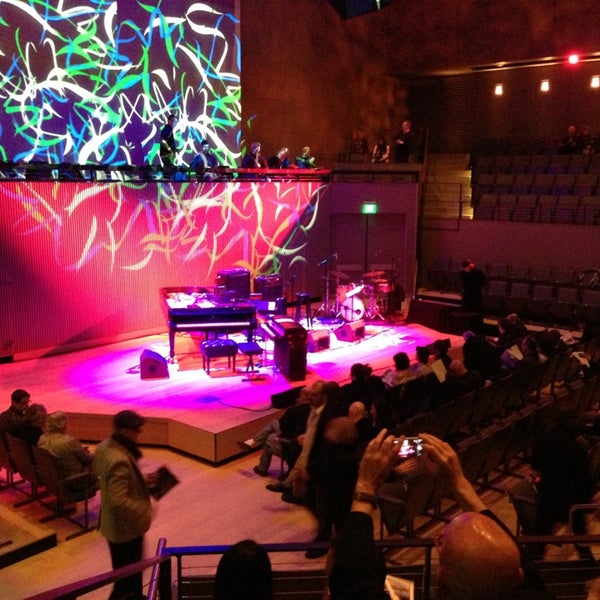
[(84, 261), (91, 81)]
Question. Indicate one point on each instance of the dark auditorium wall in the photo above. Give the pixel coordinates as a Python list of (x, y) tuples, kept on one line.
[(310, 77)]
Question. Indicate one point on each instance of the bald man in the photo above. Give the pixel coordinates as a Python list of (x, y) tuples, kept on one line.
[(478, 557)]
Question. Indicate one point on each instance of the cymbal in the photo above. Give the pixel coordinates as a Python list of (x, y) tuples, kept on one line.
[(374, 274), (339, 275)]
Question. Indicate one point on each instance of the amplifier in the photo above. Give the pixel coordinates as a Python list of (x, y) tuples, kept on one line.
[(290, 348), (234, 281), (269, 286)]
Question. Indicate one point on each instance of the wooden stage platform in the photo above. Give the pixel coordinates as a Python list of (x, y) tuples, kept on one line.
[(190, 411)]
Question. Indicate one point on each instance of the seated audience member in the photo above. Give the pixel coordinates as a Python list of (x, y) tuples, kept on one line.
[(289, 427), (480, 355), (422, 366), (459, 381), (32, 426), (560, 478), (244, 571), (509, 334), (305, 160), (401, 373), (383, 415), (530, 351), (550, 343), (333, 467), (478, 557), (254, 159), (381, 151), (440, 351), (363, 386), (72, 458), (281, 160), (14, 415), (519, 328)]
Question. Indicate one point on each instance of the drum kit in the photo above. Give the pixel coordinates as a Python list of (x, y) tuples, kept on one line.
[(366, 299)]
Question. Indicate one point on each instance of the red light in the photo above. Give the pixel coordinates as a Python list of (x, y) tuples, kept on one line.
[(573, 59)]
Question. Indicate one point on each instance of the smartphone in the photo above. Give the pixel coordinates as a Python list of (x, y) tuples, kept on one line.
[(411, 446)]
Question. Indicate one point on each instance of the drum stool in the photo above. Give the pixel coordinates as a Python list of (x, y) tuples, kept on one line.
[(216, 349), (303, 298), (251, 349)]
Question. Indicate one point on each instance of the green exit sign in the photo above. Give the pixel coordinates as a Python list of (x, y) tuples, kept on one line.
[(369, 208)]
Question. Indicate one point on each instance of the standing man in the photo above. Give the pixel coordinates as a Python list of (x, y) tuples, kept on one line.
[(473, 282), (125, 501), (404, 142), (168, 150)]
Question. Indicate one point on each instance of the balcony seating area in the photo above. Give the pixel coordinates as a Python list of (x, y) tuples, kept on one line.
[(537, 188), (538, 294)]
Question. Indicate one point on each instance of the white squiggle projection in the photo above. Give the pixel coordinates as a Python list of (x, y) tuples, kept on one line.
[(93, 82)]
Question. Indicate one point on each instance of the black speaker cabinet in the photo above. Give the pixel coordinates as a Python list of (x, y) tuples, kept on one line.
[(270, 287), (318, 340), (234, 281), (350, 332), (290, 349), (153, 365)]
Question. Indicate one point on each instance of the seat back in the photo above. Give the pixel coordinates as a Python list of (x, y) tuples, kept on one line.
[(21, 453)]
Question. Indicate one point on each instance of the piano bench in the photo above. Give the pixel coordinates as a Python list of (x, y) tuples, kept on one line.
[(216, 349)]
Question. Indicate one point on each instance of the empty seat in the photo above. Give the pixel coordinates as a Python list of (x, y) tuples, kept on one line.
[(524, 209), (562, 307), (538, 163), (578, 163), (493, 297), (563, 184), (518, 272), (505, 206), (486, 207), (542, 183), (522, 183), (503, 183), (540, 274), (566, 209), (538, 306), (585, 184), (517, 297), (519, 163), (588, 310), (589, 210), (594, 166), (497, 271), (544, 209)]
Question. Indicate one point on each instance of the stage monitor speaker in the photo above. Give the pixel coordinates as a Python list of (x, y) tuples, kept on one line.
[(318, 339), (153, 365), (350, 332)]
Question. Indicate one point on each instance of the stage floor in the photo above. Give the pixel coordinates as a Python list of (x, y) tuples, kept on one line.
[(190, 411)]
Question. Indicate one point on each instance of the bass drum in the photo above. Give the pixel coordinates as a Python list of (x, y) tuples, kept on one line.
[(352, 309)]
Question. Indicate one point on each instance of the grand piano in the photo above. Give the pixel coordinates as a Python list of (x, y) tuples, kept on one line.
[(197, 309)]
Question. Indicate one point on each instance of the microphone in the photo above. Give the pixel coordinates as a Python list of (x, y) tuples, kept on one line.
[(323, 262)]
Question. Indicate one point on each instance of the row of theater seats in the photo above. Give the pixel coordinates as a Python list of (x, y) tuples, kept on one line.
[(34, 472), (565, 184), (535, 163), (531, 208), (491, 430), (444, 274)]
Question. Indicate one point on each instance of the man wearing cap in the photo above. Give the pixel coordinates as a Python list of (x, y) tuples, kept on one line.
[(125, 501)]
